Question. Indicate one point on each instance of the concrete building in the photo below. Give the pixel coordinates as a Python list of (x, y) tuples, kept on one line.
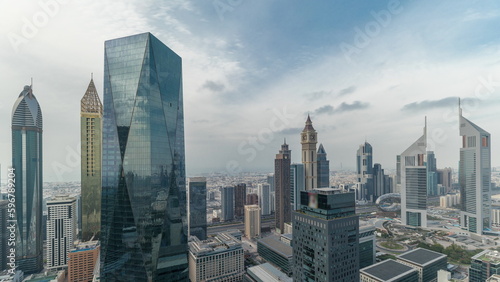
[(218, 258), (61, 230), (325, 236), (309, 155), (449, 201), (426, 262), (389, 271), (227, 203), (83, 260), (252, 221), (484, 265), (282, 183), (276, 252), (197, 207), (265, 273)]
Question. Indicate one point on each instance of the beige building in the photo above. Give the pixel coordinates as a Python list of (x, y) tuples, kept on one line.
[(252, 221), (218, 258)]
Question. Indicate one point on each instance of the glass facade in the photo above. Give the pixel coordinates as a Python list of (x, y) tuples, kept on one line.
[(27, 163), (198, 207), (282, 188), (323, 168), (144, 220)]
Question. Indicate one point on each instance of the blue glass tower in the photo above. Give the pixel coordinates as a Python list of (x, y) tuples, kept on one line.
[(144, 220), (27, 162)]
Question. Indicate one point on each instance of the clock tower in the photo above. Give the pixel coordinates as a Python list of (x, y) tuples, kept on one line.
[(309, 154)]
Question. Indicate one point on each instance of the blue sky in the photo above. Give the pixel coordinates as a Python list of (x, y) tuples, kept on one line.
[(254, 69)]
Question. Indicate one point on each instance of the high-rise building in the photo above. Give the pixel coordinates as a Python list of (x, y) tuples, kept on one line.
[(240, 198), (323, 168), (444, 178), (61, 230), (264, 193), (83, 259), (4, 234), (91, 152), (326, 236), (144, 214), (218, 258), (297, 184), (474, 172), (432, 175), (252, 221), (272, 192), (484, 265), (364, 165), (227, 203), (414, 183), (282, 188), (378, 181), (27, 163), (309, 154), (252, 199), (397, 182), (197, 207)]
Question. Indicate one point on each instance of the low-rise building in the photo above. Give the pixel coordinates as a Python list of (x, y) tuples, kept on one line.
[(265, 273), (484, 265), (367, 247), (426, 262), (276, 252), (389, 271)]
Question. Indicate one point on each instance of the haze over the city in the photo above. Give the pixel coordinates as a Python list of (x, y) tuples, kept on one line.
[(253, 70)]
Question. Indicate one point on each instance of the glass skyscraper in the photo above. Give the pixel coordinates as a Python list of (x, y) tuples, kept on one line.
[(323, 168), (198, 207), (144, 220), (27, 162), (364, 169)]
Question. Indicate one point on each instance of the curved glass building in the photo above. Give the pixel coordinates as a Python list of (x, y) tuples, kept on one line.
[(143, 211), (27, 165)]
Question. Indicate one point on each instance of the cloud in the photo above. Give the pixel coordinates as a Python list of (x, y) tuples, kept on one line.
[(290, 131), (327, 109), (435, 104), (347, 90), (318, 95), (214, 86), (344, 107), (201, 121)]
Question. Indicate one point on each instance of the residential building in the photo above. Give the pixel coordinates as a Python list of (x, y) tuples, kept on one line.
[(61, 230), (240, 198), (252, 221)]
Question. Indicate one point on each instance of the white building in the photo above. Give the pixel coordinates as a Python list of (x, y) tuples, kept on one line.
[(61, 230)]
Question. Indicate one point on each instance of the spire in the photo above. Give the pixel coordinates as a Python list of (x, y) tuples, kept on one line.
[(321, 149), (308, 126), (459, 107), (90, 102)]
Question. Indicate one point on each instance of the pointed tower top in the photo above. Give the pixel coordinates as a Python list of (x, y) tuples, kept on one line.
[(284, 141), (90, 102), (321, 149), (308, 126)]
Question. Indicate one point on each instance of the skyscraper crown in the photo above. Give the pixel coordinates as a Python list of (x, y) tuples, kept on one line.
[(308, 126), (90, 102), (26, 111)]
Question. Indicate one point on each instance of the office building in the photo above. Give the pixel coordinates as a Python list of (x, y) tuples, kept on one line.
[(197, 207), (309, 155), (323, 168), (27, 163), (227, 203), (325, 237), (444, 178), (82, 260), (240, 198), (282, 188), (474, 172), (265, 273), (276, 252), (252, 221), (364, 169), (264, 195), (432, 174), (389, 271), (4, 234), (218, 258), (414, 183), (426, 262), (297, 184), (252, 199), (91, 172), (379, 179), (144, 206), (367, 247), (484, 265), (272, 192), (61, 230)]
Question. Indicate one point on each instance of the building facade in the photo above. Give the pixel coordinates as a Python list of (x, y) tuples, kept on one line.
[(4, 235), (364, 169), (264, 196), (91, 153), (61, 230), (27, 164), (309, 139), (389, 271), (426, 262), (323, 168), (297, 184), (484, 265), (252, 221), (282, 181), (197, 207), (240, 198), (276, 252), (227, 203), (367, 247), (144, 208), (83, 260), (432, 175)]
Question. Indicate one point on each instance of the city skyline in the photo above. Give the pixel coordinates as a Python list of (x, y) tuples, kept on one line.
[(295, 56)]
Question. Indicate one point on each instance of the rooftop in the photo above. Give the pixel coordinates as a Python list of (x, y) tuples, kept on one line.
[(421, 256), (387, 270), (267, 272), (221, 242), (490, 256), (273, 242)]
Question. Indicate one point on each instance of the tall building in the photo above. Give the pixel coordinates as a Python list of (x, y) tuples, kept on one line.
[(444, 178), (297, 184), (61, 230), (4, 234), (227, 203), (144, 215), (83, 259), (252, 199), (240, 198), (91, 152), (264, 194), (364, 165), (309, 154), (432, 175), (474, 174), (252, 221), (414, 183), (197, 207), (27, 163), (282, 188), (219, 258), (326, 237), (323, 168), (378, 181), (272, 192)]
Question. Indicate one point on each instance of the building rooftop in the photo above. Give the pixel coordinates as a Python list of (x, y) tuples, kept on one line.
[(267, 272), (85, 246), (490, 256), (387, 270), (273, 242), (421, 256), (221, 242)]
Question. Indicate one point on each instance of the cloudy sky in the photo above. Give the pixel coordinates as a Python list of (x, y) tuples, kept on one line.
[(253, 70)]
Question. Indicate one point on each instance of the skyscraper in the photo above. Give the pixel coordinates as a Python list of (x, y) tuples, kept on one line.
[(414, 183), (326, 237), (282, 188), (323, 168), (144, 224), (227, 203), (91, 150), (264, 193), (198, 207), (4, 235), (378, 181), (309, 155), (432, 175), (297, 184), (252, 221), (240, 198), (27, 163), (61, 230), (364, 162), (474, 174)]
